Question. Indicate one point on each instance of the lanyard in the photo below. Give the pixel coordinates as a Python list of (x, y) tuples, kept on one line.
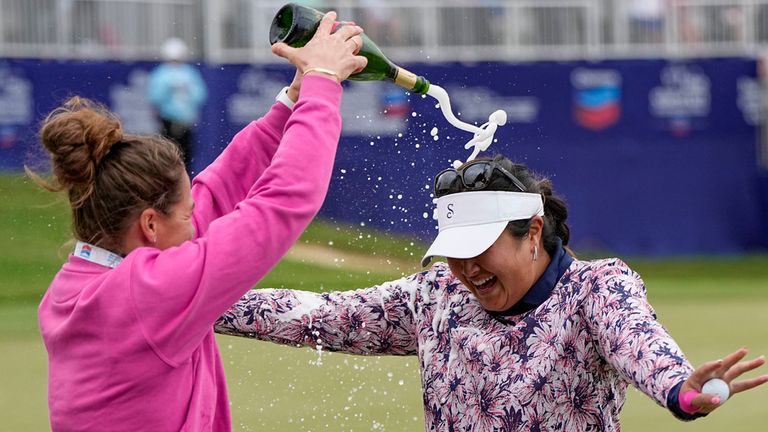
[(97, 255)]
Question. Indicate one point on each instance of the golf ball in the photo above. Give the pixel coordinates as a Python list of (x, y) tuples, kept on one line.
[(717, 387)]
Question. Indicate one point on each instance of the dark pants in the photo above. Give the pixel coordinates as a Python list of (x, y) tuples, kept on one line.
[(181, 134)]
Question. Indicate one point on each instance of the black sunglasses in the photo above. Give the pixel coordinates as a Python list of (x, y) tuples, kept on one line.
[(475, 175)]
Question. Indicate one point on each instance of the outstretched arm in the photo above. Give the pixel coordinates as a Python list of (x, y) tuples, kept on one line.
[(624, 327), (376, 320), (640, 349)]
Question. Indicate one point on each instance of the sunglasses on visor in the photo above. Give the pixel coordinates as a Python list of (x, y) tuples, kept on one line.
[(475, 175)]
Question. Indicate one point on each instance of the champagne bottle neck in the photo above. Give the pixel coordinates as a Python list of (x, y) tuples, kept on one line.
[(410, 81)]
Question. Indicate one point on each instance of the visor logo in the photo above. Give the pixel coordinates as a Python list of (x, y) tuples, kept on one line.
[(450, 211)]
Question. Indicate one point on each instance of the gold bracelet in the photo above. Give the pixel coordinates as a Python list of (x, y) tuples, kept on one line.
[(322, 71)]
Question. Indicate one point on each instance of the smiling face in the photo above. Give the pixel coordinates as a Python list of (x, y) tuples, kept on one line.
[(503, 274)]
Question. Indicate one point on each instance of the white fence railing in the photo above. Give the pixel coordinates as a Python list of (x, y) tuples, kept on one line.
[(427, 30), (96, 29)]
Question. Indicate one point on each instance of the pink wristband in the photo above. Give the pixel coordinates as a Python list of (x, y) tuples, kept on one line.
[(685, 402)]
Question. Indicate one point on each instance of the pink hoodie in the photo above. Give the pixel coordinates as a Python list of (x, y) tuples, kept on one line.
[(132, 348)]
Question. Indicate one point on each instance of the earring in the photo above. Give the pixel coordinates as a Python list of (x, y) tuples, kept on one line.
[(154, 239), (535, 253)]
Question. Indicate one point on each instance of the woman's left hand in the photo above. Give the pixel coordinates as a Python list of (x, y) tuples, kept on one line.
[(726, 369)]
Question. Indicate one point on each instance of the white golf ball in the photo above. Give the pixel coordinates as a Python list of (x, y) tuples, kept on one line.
[(717, 387)]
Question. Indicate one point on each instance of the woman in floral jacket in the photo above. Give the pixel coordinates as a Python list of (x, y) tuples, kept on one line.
[(514, 333)]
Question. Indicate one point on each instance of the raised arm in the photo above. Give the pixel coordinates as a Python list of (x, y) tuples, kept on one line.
[(179, 292), (218, 188), (227, 180), (376, 320), (198, 280)]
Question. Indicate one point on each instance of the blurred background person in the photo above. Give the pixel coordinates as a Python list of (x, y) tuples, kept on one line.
[(177, 92)]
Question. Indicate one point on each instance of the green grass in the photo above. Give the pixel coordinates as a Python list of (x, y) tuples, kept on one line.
[(282, 388), (34, 224), (354, 238), (711, 307)]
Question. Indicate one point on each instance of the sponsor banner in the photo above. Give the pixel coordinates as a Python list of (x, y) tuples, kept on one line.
[(751, 99), (16, 114), (129, 101), (652, 156), (682, 99), (256, 91)]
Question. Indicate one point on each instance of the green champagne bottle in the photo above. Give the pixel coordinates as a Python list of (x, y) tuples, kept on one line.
[(296, 24)]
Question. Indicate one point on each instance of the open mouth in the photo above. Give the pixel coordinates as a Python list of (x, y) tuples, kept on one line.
[(485, 284)]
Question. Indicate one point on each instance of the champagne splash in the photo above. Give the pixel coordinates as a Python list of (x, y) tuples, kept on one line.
[(483, 135)]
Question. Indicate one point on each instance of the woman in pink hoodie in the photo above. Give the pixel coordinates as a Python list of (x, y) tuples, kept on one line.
[(128, 320)]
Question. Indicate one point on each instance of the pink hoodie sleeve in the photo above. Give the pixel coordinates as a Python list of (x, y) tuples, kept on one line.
[(224, 183), (179, 293)]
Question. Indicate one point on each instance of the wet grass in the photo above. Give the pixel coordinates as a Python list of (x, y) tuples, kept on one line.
[(284, 388)]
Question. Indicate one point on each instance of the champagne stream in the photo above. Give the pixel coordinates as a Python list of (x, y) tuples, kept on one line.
[(483, 135)]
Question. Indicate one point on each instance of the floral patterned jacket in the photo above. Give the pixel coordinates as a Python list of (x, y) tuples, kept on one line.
[(563, 366)]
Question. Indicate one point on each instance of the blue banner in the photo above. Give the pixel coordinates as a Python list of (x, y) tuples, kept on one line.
[(653, 156)]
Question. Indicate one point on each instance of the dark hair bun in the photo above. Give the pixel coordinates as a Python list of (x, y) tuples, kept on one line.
[(78, 135)]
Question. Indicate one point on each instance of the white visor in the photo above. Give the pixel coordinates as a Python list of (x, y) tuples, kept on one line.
[(470, 222)]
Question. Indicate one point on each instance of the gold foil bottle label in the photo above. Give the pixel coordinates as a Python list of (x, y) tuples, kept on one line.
[(405, 79)]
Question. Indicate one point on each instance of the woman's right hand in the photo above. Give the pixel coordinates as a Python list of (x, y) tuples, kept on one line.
[(334, 52), (726, 369)]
